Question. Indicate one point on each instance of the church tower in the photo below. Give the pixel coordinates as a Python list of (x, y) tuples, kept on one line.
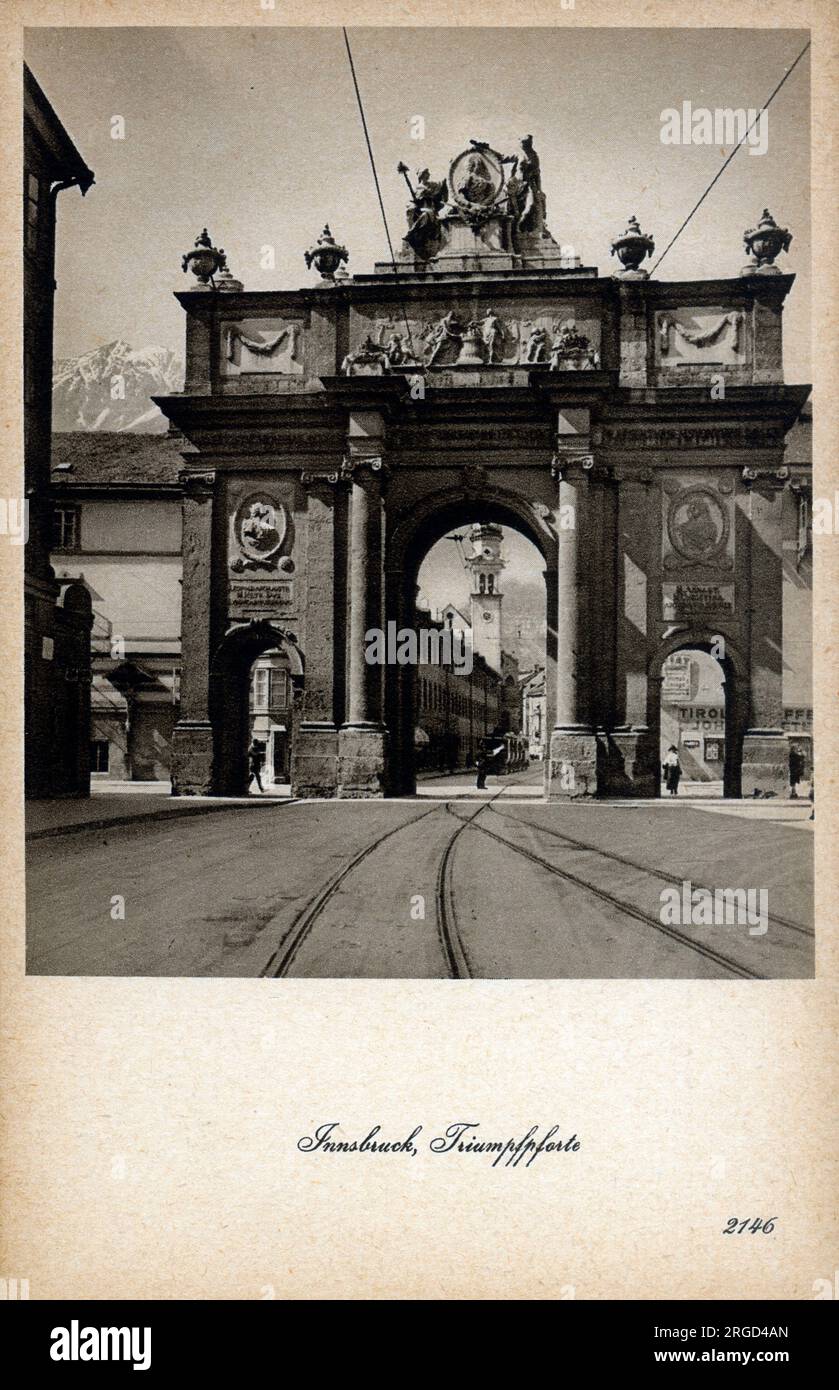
[(485, 564)]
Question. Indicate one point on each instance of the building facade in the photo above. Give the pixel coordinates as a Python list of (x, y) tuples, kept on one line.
[(534, 724), (117, 527), (57, 616), (455, 710), (339, 431), (638, 432)]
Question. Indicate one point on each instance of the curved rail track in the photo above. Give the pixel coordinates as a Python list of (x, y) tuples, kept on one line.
[(627, 863), (451, 945), (630, 910), (458, 958)]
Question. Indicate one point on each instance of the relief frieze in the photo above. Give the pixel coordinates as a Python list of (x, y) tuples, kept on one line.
[(482, 338)]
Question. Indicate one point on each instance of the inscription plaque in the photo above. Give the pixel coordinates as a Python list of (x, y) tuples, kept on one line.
[(697, 601), (261, 599)]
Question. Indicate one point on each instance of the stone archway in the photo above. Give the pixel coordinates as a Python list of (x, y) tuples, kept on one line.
[(229, 691), (409, 542), (735, 682)]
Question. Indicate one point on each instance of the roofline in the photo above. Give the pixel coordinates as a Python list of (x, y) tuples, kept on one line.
[(61, 486), (67, 153)]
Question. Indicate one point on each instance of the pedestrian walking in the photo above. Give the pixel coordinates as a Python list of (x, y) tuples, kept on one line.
[(489, 751), (256, 759), (672, 770)]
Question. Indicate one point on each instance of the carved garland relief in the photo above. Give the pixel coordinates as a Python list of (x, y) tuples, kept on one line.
[(697, 336), (262, 346)]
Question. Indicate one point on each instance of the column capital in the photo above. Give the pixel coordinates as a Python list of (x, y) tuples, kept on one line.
[(801, 481), (774, 478), (570, 466), (314, 478), (197, 484), (355, 464)]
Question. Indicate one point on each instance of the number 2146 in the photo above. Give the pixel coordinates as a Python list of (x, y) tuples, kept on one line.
[(734, 1227)]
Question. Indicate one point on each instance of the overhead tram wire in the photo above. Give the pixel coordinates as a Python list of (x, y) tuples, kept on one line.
[(723, 168), (378, 188)]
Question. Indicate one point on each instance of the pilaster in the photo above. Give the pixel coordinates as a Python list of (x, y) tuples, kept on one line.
[(192, 740)]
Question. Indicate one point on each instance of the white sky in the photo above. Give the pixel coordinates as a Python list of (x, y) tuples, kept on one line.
[(443, 579), (255, 134)]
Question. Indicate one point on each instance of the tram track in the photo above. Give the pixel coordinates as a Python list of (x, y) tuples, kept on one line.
[(628, 909), (453, 950), (280, 962), (457, 953), (625, 862)]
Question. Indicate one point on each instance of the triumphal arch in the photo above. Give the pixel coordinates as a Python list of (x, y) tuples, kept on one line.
[(633, 429)]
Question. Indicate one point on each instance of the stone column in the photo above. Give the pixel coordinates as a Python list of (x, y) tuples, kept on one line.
[(315, 748), (400, 686), (765, 761), (192, 740), (362, 741), (573, 761)]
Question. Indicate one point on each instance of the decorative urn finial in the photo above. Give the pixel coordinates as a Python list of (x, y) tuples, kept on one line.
[(630, 248), (326, 255), (765, 241), (205, 261)]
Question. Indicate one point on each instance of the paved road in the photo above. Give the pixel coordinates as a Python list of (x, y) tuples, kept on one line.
[(496, 887)]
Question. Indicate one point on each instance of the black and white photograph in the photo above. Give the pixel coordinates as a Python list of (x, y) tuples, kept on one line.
[(418, 571), (419, 511)]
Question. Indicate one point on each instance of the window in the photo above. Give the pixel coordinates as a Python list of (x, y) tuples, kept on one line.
[(261, 687), (33, 209), (99, 750), (65, 528), (279, 688)]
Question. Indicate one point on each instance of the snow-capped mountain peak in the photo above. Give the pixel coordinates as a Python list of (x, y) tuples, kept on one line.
[(109, 388)]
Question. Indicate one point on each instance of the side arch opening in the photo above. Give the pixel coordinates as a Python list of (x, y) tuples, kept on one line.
[(256, 677)]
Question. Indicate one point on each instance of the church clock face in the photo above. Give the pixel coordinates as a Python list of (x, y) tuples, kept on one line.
[(487, 617)]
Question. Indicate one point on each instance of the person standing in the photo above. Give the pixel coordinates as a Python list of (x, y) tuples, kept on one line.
[(256, 758), (672, 770), (796, 770)]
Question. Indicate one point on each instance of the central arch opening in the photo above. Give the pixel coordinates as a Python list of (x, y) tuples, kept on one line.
[(471, 713)]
